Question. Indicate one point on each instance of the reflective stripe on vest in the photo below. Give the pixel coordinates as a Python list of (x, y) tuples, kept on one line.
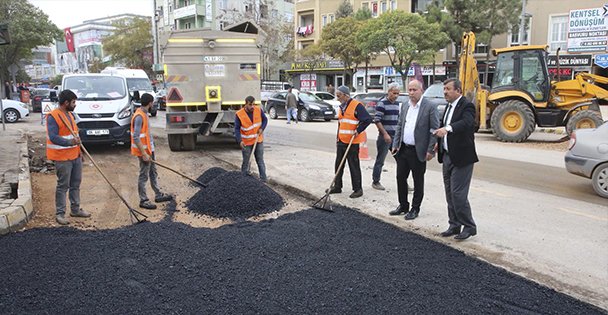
[(55, 152), (348, 123), (250, 129), (144, 135)]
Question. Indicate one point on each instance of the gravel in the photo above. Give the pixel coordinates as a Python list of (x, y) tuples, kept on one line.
[(234, 195), (301, 263), (210, 175)]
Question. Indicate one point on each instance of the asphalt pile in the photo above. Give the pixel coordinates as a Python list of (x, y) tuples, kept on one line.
[(233, 195), (210, 175), (300, 263)]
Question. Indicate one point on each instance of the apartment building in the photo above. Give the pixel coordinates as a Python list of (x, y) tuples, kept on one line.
[(548, 22)]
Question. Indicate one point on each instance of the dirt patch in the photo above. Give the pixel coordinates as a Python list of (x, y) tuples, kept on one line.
[(108, 211)]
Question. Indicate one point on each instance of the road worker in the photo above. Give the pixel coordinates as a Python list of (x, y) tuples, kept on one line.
[(249, 125)]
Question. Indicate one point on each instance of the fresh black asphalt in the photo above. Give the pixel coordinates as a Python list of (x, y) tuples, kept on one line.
[(309, 262)]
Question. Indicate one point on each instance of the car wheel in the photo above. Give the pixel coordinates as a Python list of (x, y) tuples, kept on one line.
[(600, 180), (327, 119), (304, 115), (272, 112), (11, 115), (153, 112)]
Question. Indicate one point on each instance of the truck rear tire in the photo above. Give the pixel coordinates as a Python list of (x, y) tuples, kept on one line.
[(512, 121), (186, 142), (583, 119)]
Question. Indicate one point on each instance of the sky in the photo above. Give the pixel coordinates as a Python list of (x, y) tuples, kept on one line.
[(67, 13)]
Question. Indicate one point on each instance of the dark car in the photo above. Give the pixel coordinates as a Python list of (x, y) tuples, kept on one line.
[(160, 101), (38, 96), (434, 93), (309, 107), (371, 100)]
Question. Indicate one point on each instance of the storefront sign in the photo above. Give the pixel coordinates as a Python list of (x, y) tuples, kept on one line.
[(602, 60), (570, 60), (562, 71), (428, 70), (308, 82), (325, 64), (587, 30)]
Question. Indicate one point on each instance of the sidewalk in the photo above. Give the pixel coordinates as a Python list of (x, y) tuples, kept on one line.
[(15, 186), (555, 241)]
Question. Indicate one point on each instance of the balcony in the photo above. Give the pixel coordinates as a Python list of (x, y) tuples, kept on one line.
[(189, 11)]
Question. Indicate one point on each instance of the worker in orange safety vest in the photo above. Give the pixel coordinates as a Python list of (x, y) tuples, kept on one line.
[(63, 148), (249, 125)]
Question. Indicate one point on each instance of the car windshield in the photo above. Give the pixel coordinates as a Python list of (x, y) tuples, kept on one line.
[(139, 84), (309, 97), (325, 96), (41, 92), (89, 88), (403, 99), (435, 90), (371, 96)]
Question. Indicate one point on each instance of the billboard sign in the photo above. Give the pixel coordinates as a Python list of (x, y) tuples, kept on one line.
[(588, 30)]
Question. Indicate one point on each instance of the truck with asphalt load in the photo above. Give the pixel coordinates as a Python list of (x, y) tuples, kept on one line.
[(523, 95), (208, 75)]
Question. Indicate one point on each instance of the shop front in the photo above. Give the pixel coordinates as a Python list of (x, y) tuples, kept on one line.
[(379, 78), (309, 76), (569, 66)]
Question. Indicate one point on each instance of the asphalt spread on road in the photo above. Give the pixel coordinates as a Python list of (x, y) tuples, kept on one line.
[(306, 262)]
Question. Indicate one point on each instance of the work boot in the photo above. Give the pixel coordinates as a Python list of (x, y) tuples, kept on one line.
[(163, 198), (356, 194), (377, 185), (80, 214), (334, 190), (61, 219), (147, 205)]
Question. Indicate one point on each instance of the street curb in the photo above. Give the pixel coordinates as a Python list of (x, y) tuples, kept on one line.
[(16, 216)]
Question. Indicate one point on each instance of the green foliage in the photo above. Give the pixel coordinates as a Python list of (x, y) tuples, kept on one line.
[(56, 80), (363, 14), (130, 40), (339, 40), (29, 27), (344, 10), (312, 55), (404, 37)]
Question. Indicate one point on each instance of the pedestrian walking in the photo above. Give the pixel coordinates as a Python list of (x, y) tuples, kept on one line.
[(7, 90), (63, 148), (249, 126), (414, 145), (292, 106), (330, 89), (353, 118), (458, 155), (142, 146), (386, 119)]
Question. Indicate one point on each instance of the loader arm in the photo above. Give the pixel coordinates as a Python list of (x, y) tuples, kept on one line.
[(583, 86)]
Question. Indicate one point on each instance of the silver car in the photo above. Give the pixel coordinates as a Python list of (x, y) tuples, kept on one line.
[(588, 156)]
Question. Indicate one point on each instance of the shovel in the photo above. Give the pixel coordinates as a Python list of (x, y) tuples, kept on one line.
[(133, 214), (322, 204), (178, 173), (252, 152)]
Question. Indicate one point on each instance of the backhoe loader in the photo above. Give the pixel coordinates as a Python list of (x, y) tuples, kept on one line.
[(523, 96)]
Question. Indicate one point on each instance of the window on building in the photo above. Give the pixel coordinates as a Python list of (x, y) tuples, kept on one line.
[(324, 20), (187, 3), (331, 18), (514, 34), (383, 7), (393, 5), (187, 25), (557, 32), (421, 5), (374, 8), (365, 5), (481, 49)]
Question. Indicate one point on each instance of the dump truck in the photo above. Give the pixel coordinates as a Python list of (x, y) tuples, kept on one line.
[(523, 95), (208, 74)]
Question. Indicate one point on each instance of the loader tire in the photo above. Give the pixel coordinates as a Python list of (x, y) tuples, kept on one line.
[(512, 121), (583, 119)]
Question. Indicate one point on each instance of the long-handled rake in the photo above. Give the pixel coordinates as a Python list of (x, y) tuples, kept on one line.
[(179, 173), (252, 153), (322, 204), (133, 214)]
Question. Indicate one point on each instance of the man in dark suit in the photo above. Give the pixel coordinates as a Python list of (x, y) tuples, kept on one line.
[(457, 153), (413, 146)]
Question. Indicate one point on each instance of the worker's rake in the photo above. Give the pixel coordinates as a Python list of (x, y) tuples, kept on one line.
[(325, 202), (135, 216)]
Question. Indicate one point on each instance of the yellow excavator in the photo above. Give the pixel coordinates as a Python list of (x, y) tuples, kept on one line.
[(523, 96)]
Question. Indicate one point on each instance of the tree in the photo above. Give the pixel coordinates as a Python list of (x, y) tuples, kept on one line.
[(344, 10), (56, 80), (313, 57), (485, 18), (363, 14), (404, 37), (29, 27), (129, 42), (339, 41)]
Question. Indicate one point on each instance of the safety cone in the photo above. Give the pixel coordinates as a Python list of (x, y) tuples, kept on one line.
[(363, 151)]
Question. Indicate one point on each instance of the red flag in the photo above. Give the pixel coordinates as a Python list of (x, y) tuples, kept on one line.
[(69, 39)]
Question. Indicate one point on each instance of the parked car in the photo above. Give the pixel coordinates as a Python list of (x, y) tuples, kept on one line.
[(587, 156), (309, 107), (14, 110), (38, 96), (371, 100), (329, 99), (434, 93), (160, 101)]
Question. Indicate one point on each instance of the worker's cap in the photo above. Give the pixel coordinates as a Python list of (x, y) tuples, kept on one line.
[(344, 89)]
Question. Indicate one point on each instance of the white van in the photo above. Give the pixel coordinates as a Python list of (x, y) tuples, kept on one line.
[(103, 108), (137, 80)]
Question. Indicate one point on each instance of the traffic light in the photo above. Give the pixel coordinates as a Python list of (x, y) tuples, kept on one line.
[(5, 39)]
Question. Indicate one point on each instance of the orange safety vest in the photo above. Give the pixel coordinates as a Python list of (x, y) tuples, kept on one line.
[(250, 129), (55, 152), (144, 135), (347, 124)]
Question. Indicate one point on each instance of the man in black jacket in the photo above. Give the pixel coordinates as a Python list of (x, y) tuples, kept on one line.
[(457, 153)]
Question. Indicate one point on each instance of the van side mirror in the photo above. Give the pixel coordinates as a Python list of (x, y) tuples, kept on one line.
[(136, 96), (53, 96)]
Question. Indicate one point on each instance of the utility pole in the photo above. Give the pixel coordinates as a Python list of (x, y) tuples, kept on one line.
[(522, 23), (155, 33)]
